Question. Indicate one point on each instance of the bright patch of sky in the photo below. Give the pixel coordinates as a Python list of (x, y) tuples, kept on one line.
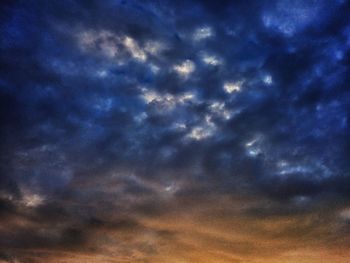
[(204, 130), (253, 147), (134, 49), (167, 99), (268, 79), (231, 87), (210, 59), (185, 68)]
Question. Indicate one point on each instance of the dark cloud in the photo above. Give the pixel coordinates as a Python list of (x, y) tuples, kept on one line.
[(124, 122)]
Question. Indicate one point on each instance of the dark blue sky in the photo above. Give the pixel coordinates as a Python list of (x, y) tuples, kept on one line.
[(175, 131)]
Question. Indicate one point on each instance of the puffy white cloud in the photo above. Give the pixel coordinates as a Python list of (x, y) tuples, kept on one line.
[(32, 200), (210, 59), (268, 79), (231, 87), (206, 129), (220, 109), (185, 68), (109, 43), (166, 99), (134, 49)]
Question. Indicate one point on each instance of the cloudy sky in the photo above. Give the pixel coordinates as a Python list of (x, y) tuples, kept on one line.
[(175, 131)]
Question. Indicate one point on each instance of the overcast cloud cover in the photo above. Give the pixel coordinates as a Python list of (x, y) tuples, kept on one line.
[(175, 131)]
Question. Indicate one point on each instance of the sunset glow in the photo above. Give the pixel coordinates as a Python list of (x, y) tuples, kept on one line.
[(187, 131)]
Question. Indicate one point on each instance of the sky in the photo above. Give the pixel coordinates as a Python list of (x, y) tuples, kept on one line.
[(175, 131)]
